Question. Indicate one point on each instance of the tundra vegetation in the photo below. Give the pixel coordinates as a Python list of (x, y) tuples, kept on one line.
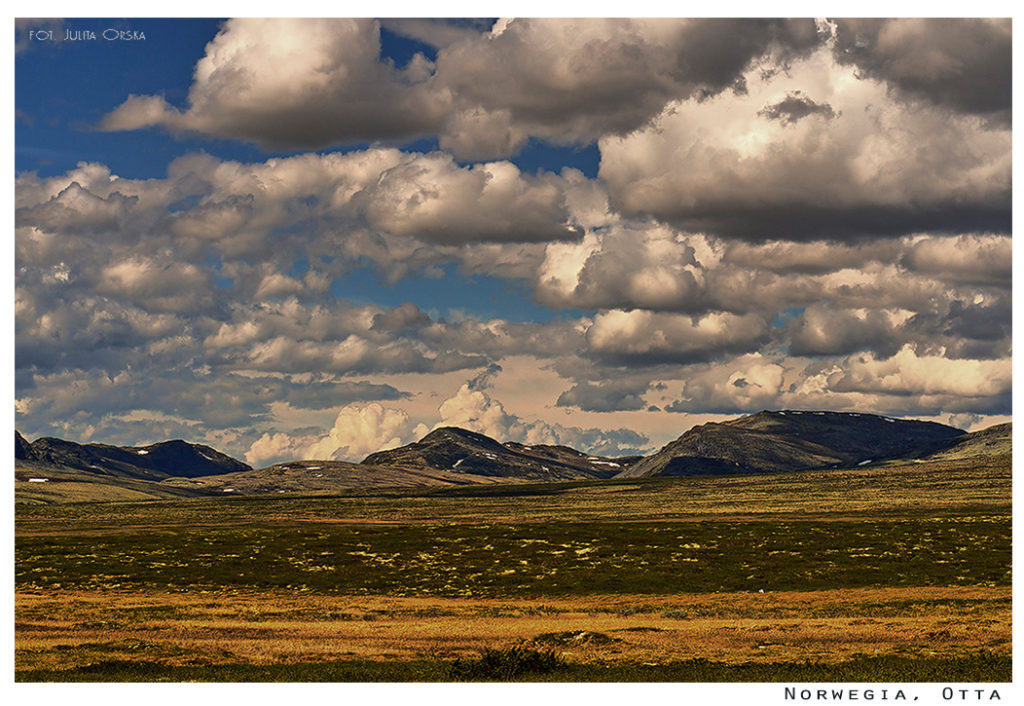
[(895, 572)]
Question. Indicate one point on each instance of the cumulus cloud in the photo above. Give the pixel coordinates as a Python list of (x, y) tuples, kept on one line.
[(132, 286), (650, 266), (960, 63), (644, 336), (823, 331), (431, 198), (475, 410), (972, 259), (361, 430), (817, 257), (908, 373), (964, 421), (908, 383), (76, 209), (218, 402), (751, 382), (156, 285), (879, 167), (311, 83), (574, 80), (606, 396), (295, 83), (788, 215), (275, 447), (424, 196)]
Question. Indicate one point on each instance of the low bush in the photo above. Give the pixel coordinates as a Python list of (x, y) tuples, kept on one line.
[(512, 664)]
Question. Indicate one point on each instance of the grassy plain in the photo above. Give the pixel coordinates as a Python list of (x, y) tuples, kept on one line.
[(899, 573)]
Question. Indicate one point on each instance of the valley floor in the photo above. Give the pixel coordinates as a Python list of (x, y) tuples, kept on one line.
[(895, 574)]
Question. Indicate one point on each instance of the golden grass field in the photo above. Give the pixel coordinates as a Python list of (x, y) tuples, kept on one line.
[(908, 560), (75, 628)]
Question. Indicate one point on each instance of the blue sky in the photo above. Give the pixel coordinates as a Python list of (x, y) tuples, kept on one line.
[(63, 89), (287, 236)]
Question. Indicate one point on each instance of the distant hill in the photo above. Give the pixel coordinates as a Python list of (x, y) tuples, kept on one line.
[(769, 442), (154, 462), (324, 476), (996, 440), (455, 449)]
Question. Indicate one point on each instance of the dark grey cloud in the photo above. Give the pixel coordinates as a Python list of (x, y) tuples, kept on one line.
[(961, 63), (965, 259), (794, 108), (405, 316), (826, 331), (574, 80), (952, 328), (606, 396)]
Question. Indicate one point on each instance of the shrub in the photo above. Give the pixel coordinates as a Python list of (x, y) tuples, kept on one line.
[(506, 665)]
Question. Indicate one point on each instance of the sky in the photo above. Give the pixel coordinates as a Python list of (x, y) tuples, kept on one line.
[(319, 238)]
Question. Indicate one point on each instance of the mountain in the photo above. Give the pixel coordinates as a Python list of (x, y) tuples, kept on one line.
[(995, 440), (769, 442), (455, 449), (154, 462), (22, 449)]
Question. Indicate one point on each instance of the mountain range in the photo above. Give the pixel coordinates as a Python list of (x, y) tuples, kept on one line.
[(765, 442), (153, 462)]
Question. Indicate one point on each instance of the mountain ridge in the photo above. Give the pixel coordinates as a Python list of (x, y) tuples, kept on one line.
[(456, 449), (791, 440), (165, 459)]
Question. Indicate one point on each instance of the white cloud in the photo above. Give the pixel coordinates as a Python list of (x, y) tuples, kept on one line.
[(295, 83), (750, 382), (361, 430), (640, 334), (640, 265), (906, 384), (429, 197), (907, 372), (274, 448), (878, 166)]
